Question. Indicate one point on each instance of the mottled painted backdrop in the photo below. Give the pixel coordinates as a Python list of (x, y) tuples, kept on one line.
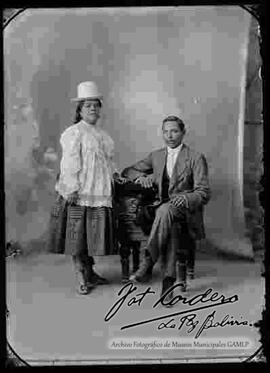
[(148, 62)]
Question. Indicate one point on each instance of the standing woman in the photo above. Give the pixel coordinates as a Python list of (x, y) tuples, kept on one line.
[(87, 172)]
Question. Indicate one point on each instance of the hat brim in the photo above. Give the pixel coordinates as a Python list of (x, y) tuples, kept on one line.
[(78, 99)]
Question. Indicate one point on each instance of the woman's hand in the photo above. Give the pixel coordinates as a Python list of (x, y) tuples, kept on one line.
[(119, 179), (73, 198), (145, 181)]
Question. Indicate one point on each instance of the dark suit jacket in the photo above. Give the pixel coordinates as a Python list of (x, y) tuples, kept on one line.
[(189, 178)]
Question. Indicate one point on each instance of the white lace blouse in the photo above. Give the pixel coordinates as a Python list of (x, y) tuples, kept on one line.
[(87, 165)]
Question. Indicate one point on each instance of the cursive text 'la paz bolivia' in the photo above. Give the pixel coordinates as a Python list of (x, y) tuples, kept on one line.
[(128, 296), (192, 323)]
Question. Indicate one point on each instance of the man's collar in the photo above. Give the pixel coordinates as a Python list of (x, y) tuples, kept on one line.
[(174, 150)]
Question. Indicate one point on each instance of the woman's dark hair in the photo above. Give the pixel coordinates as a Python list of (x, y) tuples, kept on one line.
[(77, 116), (173, 118)]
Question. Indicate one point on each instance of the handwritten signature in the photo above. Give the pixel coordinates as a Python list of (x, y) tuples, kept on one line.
[(191, 322), (127, 297)]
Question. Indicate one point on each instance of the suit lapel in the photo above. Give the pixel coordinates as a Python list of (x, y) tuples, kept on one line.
[(161, 165), (180, 166)]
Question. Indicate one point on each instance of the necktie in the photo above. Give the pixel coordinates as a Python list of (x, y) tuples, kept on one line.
[(170, 164)]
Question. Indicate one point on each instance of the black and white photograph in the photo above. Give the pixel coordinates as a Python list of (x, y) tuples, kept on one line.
[(133, 160)]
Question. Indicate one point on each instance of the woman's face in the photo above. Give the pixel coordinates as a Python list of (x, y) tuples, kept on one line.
[(90, 111)]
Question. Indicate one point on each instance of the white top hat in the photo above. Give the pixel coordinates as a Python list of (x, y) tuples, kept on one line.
[(87, 90)]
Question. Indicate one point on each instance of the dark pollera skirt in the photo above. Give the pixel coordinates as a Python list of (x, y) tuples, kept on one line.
[(90, 230), (57, 226), (81, 229)]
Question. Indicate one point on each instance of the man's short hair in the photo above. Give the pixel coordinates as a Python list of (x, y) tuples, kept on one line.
[(173, 118)]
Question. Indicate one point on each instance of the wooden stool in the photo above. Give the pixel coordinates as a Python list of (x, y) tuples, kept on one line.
[(129, 200)]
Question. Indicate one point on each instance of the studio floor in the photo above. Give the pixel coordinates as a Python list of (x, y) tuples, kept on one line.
[(50, 324)]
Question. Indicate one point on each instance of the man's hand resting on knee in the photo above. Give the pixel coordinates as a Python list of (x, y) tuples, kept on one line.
[(179, 201)]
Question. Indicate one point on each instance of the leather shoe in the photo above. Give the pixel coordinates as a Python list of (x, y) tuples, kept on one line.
[(183, 287), (98, 280), (144, 273)]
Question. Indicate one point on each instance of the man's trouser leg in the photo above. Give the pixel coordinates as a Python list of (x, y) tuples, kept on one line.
[(162, 230), (171, 267), (170, 252), (159, 236)]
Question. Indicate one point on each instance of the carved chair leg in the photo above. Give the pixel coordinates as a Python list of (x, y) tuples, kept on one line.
[(181, 273), (124, 254), (125, 270), (136, 256), (191, 261)]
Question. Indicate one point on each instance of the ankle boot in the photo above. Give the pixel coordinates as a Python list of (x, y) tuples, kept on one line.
[(81, 276), (83, 287), (93, 278), (125, 270)]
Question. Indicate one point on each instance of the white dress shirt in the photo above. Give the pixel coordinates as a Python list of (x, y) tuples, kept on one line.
[(171, 158), (87, 165)]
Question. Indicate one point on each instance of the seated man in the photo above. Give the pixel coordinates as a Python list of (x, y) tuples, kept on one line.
[(181, 176)]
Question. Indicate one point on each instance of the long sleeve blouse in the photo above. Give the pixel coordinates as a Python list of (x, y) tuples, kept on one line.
[(87, 165)]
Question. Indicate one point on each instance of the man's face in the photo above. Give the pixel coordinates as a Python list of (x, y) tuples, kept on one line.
[(172, 134), (90, 111)]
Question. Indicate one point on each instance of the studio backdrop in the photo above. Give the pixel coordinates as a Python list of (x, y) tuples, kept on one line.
[(148, 63)]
